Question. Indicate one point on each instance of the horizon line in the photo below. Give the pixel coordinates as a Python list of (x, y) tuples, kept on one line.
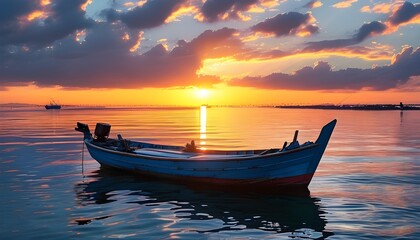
[(198, 105)]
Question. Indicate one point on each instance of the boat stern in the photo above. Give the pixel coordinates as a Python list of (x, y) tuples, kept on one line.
[(84, 128)]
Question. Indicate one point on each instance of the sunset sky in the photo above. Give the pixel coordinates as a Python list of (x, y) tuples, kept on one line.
[(217, 52)]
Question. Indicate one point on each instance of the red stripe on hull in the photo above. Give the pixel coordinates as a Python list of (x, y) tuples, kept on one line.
[(301, 180)]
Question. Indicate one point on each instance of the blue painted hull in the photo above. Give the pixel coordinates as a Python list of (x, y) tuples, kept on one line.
[(281, 168)]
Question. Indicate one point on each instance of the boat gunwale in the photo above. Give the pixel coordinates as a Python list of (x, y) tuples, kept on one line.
[(240, 158)]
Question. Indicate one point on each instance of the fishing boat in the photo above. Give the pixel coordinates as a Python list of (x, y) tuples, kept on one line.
[(52, 105), (292, 165)]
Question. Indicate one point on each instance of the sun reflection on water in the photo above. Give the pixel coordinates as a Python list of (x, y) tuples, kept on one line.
[(203, 126)]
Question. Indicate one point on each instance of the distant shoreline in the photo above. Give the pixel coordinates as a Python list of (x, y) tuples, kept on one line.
[(366, 107)]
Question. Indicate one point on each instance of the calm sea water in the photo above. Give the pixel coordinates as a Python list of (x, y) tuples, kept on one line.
[(366, 187)]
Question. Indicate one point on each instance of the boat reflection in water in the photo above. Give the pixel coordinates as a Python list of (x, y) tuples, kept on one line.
[(296, 213)]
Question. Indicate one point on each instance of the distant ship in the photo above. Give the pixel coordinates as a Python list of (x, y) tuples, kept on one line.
[(53, 105)]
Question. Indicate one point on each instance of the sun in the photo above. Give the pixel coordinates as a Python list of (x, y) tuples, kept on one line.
[(202, 93)]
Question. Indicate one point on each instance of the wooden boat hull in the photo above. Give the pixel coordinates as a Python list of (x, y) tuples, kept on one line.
[(294, 167)]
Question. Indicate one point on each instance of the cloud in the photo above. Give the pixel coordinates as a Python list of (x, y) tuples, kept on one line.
[(377, 8), (344, 4), (215, 10), (251, 54), (10, 10), (284, 24), (363, 52), (369, 29), (404, 13), (323, 77), (401, 12), (313, 4), (213, 44), (152, 14), (38, 43), (36, 25), (103, 60), (365, 31)]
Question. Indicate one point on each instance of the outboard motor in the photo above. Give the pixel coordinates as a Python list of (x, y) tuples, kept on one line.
[(102, 131)]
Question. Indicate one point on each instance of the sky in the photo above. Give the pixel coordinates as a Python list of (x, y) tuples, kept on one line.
[(217, 52)]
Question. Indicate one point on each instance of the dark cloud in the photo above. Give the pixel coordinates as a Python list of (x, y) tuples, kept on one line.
[(103, 60), (322, 77), (368, 29), (364, 32), (213, 10), (10, 10), (64, 18), (405, 13), (291, 23), (152, 14), (212, 44)]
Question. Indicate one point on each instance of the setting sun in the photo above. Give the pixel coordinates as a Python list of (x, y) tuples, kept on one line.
[(202, 93)]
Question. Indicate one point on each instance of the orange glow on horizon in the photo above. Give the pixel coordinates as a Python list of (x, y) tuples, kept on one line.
[(230, 67), (220, 95)]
